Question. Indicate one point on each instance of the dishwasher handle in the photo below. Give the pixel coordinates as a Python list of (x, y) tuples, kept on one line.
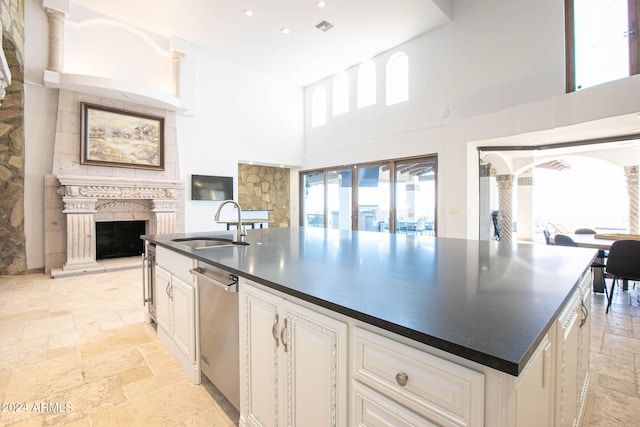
[(218, 280)]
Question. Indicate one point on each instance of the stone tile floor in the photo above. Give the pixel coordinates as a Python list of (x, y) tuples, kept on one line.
[(75, 352)]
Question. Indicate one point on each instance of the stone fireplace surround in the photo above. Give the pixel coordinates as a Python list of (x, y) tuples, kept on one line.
[(87, 200), (77, 196)]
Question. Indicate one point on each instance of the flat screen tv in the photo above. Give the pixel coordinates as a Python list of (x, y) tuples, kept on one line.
[(207, 187)]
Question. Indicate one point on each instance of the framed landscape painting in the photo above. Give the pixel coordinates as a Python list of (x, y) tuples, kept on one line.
[(113, 137)]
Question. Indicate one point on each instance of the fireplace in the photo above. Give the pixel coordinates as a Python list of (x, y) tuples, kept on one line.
[(79, 197), (88, 202), (119, 239)]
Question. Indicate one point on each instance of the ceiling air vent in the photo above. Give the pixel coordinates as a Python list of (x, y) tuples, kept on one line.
[(324, 26)]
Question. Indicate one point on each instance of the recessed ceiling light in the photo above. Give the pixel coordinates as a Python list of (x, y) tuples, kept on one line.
[(321, 4), (248, 12), (284, 30)]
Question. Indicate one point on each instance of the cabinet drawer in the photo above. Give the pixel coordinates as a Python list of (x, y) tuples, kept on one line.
[(436, 388), (375, 410), (177, 264)]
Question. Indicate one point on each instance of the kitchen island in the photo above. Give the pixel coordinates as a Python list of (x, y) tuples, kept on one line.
[(492, 308)]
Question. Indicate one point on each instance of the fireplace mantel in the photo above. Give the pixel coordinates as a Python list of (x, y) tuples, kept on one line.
[(101, 187)]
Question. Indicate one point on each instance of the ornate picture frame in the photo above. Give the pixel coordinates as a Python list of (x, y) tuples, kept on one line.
[(120, 138)]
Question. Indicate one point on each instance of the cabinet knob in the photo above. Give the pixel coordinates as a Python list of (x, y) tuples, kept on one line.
[(402, 379)]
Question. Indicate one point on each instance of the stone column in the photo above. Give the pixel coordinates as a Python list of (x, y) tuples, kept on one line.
[(176, 61), (505, 197), (163, 217), (81, 234), (485, 201), (631, 174), (56, 39), (526, 225)]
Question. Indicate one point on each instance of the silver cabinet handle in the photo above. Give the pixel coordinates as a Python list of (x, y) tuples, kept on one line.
[(282, 331), (168, 289), (144, 280), (402, 379), (585, 311), (274, 329)]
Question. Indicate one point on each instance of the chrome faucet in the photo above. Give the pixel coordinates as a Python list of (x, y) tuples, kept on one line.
[(241, 233)]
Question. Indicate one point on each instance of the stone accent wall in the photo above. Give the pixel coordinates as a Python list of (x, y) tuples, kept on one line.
[(265, 188), (13, 256)]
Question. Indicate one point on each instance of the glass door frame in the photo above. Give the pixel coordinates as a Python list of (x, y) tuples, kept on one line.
[(391, 164)]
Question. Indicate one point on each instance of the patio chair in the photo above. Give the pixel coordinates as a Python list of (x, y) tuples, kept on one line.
[(623, 262)]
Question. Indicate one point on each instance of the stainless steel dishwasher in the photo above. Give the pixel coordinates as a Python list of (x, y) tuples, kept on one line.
[(219, 330)]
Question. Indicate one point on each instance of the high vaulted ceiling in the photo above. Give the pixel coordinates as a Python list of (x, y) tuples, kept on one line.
[(361, 29)]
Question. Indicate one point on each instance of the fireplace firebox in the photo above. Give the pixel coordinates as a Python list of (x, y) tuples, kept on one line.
[(118, 239)]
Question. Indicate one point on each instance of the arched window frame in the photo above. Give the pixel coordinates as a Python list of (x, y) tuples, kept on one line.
[(367, 84), (397, 78), (341, 93), (319, 106)]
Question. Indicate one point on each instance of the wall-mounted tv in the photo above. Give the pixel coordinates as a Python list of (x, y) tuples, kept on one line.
[(207, 187)]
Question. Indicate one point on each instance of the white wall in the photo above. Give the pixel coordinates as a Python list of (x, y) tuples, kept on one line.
[(236, 114), (498, 68), (240, 116)]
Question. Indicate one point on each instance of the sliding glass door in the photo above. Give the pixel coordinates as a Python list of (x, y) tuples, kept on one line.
[(373, 198), (387, 197), (312, 210), (340, 199), (415, 196)]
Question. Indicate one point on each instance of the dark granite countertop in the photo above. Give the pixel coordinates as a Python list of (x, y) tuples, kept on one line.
[(484, 301)]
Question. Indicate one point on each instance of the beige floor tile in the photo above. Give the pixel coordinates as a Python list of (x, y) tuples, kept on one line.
[(47, 326), (31, 382), (82, 401), (151, 384), (161, 361), (22, 419), (125, 337), (114, 363), (135, 374), (150, 347), (167, 406)]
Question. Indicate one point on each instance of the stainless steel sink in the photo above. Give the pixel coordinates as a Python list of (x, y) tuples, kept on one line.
[(208, 242)]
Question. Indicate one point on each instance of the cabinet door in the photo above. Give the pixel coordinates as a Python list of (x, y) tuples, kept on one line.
[(567, 363), (315, 350), (535, 389), (584, 345), (163, 303), (260, 357), (183, 317)]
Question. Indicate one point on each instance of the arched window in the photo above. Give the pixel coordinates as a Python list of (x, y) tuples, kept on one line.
[(319, 106), (397, 78), (366, 84), (341, 93)]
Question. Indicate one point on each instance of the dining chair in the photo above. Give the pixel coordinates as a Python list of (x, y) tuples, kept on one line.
[(585, 231), (547, 237), (623, 262), (562, 240)]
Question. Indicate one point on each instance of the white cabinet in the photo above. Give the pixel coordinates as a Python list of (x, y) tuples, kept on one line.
[(293, 363), (176, 309), (183, 316), (394, 384), (573, 332), (535, 388), (163, 299)]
